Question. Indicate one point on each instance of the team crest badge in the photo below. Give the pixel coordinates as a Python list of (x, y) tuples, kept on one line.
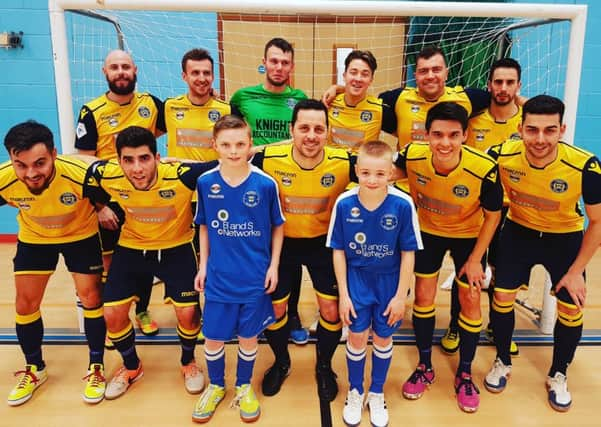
[(167, 194), (214, 115), (389, 222), (291, 102), (68, 199), (250, 199), (559, 186), (461, 191), (366, 116), (223, 215), (327, 180), (360, 238), (144, 112)]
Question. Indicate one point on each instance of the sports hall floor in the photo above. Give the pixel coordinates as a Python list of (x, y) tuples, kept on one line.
[(159, 399)]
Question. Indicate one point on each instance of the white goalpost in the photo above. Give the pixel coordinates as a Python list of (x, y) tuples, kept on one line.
[(547, 40)]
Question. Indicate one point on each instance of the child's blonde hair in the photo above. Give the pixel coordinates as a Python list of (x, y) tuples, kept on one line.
[(375, 149)]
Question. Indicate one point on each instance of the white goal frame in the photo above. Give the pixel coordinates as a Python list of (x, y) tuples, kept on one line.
[(575, 13)]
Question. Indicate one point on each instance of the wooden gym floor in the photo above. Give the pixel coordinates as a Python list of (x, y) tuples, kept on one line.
[(159, 399)]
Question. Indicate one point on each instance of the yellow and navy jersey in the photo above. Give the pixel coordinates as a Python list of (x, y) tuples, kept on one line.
[(157, 218), (60, 214), (190, 127), (101, 120), (307, 195), (451, 205), (407, 115), (351, 126), (484, 131), (547, 199)]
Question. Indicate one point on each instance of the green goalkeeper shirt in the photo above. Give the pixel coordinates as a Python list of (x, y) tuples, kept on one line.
[(268, 113)]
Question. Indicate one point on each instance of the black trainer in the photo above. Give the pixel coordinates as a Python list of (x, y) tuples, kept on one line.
[(327, 388), (274, 378)]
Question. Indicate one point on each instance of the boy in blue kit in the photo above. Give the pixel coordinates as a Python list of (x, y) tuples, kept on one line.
[(241, 235), (373, 233)]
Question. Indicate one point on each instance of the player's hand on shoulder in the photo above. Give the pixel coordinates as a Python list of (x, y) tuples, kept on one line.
[(329, 95)]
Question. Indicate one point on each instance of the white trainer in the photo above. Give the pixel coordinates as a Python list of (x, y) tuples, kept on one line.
[(496, 380), (353, 406), (378, 412)]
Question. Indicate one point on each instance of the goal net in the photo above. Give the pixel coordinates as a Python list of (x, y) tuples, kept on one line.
[(547, 40)]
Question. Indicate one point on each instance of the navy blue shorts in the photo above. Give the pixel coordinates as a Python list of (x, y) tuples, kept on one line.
[(222, 321), (132, 269), (82, 256), (429, 260), (312, 253), (521, 248)]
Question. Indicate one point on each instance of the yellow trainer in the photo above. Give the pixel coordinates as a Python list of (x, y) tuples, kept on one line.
[(207, 403), (95, 384), (450, 341), (28, 381), (247, 401), (146, 324)]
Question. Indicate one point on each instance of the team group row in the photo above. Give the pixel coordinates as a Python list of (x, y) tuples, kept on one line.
[(346, 242)]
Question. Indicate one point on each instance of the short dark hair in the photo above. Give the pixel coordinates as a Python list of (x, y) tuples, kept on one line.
[(280, 43), (230, 121), (196, 55), (308, 104), (134, 137), (24, 136), (447, 111), (428, 52), (505, 63), (365, 56), (543, 104)]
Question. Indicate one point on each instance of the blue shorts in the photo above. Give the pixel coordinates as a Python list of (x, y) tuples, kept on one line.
[(222, 321), (429, 260), (521, 248), (370, 293), (132, 269), (82, 256)]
